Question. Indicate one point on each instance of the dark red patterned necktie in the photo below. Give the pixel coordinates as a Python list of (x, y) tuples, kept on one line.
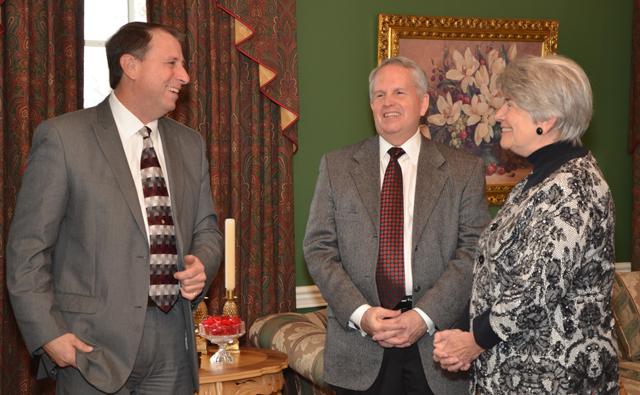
[(163, 253), (390, 269)]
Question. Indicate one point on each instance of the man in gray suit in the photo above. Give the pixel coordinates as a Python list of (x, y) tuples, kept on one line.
[(373, 349), (114, 237)]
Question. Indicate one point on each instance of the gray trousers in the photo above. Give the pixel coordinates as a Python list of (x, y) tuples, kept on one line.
[(162, 361)]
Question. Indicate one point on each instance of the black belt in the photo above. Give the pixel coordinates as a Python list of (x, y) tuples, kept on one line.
[(405, 304)]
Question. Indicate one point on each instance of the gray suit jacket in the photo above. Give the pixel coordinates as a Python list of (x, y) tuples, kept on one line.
[(341, 248), (77, 253)]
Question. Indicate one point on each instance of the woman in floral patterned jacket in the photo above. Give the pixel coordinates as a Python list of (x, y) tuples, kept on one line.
[(541, 319)]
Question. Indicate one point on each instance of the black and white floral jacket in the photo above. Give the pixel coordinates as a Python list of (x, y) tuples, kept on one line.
[(544, 269)]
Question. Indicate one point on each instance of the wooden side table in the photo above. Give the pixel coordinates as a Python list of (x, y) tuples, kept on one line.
[(255, 371)]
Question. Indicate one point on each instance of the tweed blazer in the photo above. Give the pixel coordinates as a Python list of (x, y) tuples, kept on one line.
[(545, 270), (341, 248), (78, 254)]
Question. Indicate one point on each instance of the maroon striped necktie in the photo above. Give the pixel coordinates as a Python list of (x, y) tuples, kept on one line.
[(390, 268), (163, 253)]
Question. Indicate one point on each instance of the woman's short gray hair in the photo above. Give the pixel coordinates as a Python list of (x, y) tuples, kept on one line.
[(550, 86), (419, 77)]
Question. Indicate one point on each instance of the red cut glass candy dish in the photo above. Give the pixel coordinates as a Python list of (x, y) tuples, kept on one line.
[(221, 330)]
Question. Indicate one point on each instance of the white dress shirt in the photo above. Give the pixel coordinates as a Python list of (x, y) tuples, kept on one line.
[(409, 165), (128, 126)]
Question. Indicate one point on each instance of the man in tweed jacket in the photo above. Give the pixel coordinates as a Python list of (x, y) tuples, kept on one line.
[(371, 349)]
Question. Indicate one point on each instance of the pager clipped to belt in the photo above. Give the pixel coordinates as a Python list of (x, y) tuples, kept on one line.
[(405, 304)]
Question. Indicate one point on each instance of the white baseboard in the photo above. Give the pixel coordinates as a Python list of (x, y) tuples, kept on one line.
[(623, 266), (309, 296)]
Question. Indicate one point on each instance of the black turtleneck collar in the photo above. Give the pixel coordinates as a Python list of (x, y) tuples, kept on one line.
[(549, 158)]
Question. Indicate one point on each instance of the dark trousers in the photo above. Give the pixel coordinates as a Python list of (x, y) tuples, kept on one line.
[(401, 373)]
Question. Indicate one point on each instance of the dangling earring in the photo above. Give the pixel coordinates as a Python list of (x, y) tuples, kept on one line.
[(539, 131)]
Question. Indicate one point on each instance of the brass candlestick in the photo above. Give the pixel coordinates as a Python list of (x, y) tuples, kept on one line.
[(230, 308), (199, 315)]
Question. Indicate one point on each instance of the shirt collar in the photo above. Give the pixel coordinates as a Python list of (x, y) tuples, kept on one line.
[(127, 123), (411, 147)]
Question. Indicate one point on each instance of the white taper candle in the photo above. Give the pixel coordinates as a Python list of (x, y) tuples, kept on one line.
[(230, 253)]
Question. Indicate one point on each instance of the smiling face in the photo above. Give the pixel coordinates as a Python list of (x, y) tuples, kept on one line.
[(158, 77), (396, 104), (519, 130)]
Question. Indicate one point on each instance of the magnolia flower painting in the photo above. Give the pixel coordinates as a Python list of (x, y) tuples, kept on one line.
[(464, 100), (463, 59)]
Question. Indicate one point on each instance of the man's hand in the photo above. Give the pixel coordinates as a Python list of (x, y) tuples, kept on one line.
[(408, 328), (376, 322), (192, 278), (62, 349), (455, 350)]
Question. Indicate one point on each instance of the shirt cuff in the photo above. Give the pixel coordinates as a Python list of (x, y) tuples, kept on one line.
[(431, 327), (356, 317), (483, 334)]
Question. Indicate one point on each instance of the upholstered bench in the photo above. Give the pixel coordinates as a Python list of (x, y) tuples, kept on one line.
[(626, 310), (301, 337)]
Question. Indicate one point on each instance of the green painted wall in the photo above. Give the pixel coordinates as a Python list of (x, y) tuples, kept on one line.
[(337, 49)]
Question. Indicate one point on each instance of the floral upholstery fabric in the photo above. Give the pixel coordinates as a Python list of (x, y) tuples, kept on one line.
[(302, 338), (626, 310), (629, 377)]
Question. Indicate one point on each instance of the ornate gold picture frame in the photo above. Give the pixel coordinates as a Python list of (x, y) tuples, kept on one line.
[(462, 58)]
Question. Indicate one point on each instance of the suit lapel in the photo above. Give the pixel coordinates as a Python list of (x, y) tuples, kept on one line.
[(109, 141), (366, 177), (430, 181)]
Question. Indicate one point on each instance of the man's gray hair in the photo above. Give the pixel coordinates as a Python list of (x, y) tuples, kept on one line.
[(419, 77)]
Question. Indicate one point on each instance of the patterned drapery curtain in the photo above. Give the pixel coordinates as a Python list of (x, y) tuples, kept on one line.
[(243, 99), (41, 77), (634, 137)]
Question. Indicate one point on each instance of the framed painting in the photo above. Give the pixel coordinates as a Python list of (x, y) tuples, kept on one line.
[(462, 58)]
